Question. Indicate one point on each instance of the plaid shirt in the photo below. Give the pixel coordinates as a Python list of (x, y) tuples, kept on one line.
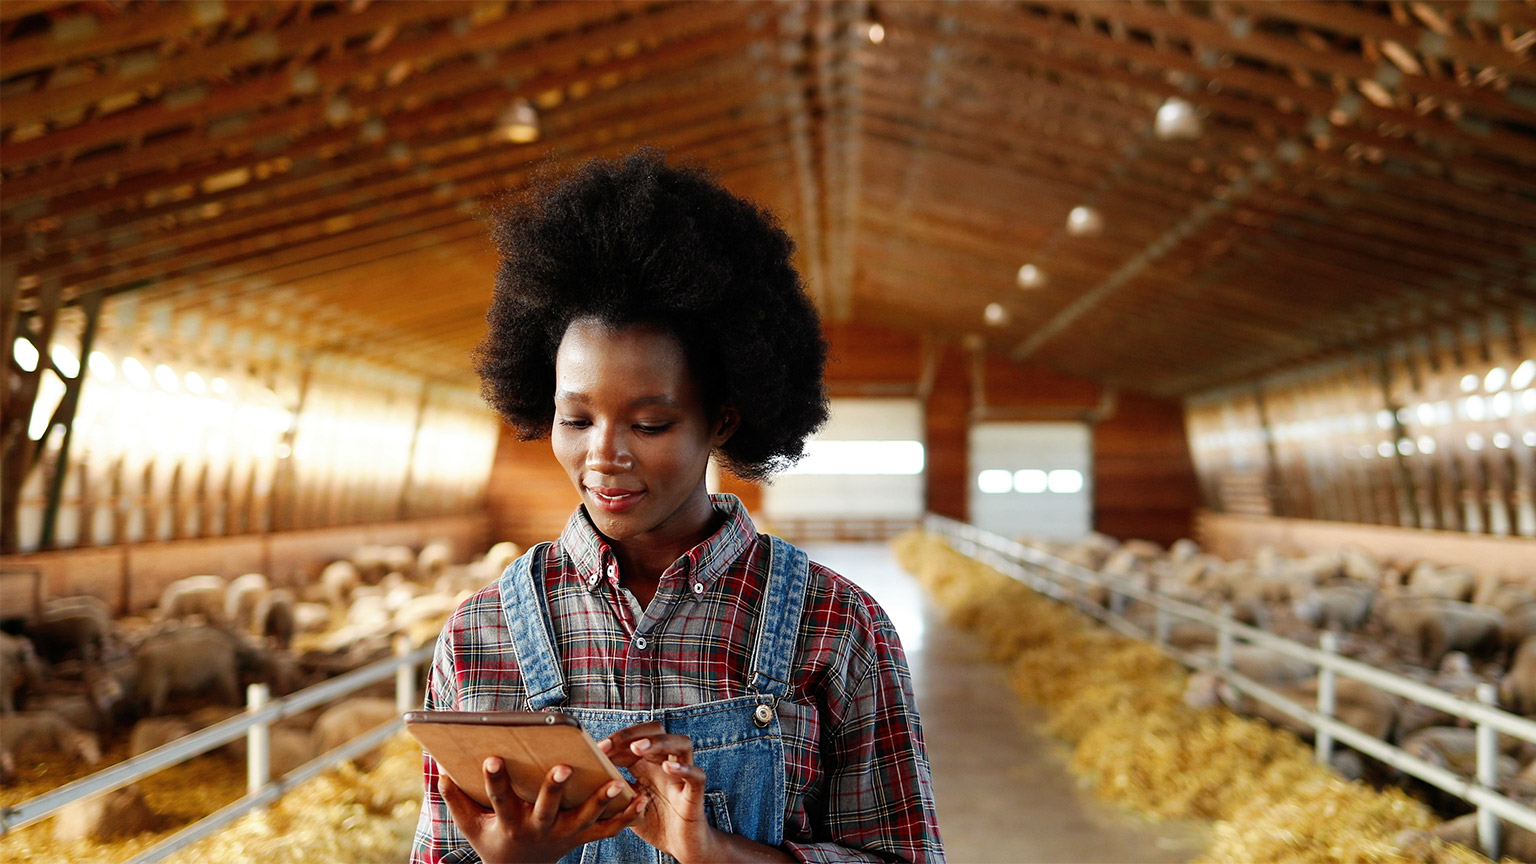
[(857, 771)]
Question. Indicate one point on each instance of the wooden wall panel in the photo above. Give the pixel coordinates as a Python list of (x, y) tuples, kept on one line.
[(131, 577), (948, 431), (1238, 536), (1143, 478), (529, 496)]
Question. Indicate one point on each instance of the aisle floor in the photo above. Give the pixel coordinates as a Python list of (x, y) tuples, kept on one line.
[(1003, 789)]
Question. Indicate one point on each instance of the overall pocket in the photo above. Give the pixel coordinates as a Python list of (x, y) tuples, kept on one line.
[(718, 811)]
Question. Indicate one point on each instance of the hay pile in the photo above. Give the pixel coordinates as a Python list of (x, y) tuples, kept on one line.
[(1120, 703), (342, 815)]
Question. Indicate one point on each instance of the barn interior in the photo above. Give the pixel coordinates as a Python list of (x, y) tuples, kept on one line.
[(1257, 277)]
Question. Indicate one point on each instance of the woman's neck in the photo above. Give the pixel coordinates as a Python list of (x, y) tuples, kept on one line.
[(643, 558)]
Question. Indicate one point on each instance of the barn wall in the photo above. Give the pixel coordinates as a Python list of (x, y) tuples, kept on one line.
[(131, 576), (1239, 536), (1144, 483)]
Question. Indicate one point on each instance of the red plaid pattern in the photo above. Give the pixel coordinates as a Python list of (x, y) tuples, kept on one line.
[(855, 763)]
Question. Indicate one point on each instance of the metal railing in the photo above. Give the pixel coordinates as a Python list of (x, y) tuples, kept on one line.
[(254, 725), (1064, 581)]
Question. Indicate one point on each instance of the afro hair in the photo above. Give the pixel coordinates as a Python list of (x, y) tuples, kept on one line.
[(637, 241)]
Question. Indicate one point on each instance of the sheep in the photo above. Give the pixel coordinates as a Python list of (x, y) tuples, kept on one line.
[(1358, 565), (1356, 704), (71, 627), (194, 595), (500, 556), (287, 749), (241, 598), (1455, 749), (311, 617), (350, 718), (274, 618), (435, 556), (191, 659), (1264, 665), (111, 815), (1433, 627), (1339, 607), (1518, 625), (369, 563), (1182, 550), (152, 732), (1514, 842), (45, 731), (1517, 689), (1453, 583), (19, 667), (339, 578), (399, 559)]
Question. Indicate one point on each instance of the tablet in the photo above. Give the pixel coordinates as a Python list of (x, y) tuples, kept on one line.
[(530, 744)]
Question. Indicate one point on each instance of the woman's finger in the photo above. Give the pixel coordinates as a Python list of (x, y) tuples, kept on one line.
[(509, 808), (547, 807), (465, 812), (664, 748), (617, 744), (617, 822), (590, 811)]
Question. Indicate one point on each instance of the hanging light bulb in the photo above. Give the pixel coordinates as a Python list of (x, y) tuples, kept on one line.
[(519, 124), (996, 315), (1177, 119), (1084, 222), (1031, 276), (876, 33)]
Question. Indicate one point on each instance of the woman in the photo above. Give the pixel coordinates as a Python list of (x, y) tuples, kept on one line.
[(644, 319)]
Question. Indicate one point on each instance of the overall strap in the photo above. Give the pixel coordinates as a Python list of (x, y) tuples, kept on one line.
[(526, 611), (778, 629)]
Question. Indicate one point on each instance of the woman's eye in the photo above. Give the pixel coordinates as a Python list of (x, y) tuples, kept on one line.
[(575, 424), (653, 430)]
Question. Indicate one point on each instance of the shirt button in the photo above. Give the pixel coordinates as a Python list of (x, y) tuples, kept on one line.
[(698, 587), (613, 571), (640, 642), (592, 580)]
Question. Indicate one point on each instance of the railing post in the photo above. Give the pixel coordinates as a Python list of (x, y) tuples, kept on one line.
[(405, 678), (1488, 774), (1224, 638), (1327, 697), (258, 763)]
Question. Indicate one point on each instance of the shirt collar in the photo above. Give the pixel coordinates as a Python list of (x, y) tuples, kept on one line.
[(595, 564)]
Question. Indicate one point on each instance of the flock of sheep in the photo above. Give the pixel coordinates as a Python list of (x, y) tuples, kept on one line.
[(1449, 627), (73, 676)]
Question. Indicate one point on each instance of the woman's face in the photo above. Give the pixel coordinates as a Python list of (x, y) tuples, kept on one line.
[(632, 431)]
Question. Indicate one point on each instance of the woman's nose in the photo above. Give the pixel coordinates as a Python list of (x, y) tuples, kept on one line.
[(608, 451)]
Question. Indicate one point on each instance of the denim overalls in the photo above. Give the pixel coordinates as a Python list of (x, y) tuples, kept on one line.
[(736, 741)]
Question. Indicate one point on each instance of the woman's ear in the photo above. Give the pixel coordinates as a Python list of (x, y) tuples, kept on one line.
[(726, 424)]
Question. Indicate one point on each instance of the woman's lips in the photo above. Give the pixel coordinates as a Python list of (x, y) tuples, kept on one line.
[(615, 500)]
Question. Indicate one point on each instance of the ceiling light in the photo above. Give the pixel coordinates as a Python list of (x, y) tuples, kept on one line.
[(996, 315), (519, 124), (25, 353), (1177, 119), (876, 33), (1031, 276), (1523, 375), (1084, 222)]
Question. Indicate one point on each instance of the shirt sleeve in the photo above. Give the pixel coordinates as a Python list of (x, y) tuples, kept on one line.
[(438, 840), (878, 803)]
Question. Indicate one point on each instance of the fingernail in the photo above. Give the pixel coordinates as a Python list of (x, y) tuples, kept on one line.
[(672, 767), (562, 773), (644, 803), (613, 790), (605, 745), (641, 746), (493, 764)]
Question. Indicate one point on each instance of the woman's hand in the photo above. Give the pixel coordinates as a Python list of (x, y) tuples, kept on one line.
[(674, 821), (662, 765), (514, 831)]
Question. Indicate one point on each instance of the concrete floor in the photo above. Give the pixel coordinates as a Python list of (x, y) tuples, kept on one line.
[(1003, 790)]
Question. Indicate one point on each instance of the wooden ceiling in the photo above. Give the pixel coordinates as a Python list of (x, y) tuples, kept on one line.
[(1365, 169)]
